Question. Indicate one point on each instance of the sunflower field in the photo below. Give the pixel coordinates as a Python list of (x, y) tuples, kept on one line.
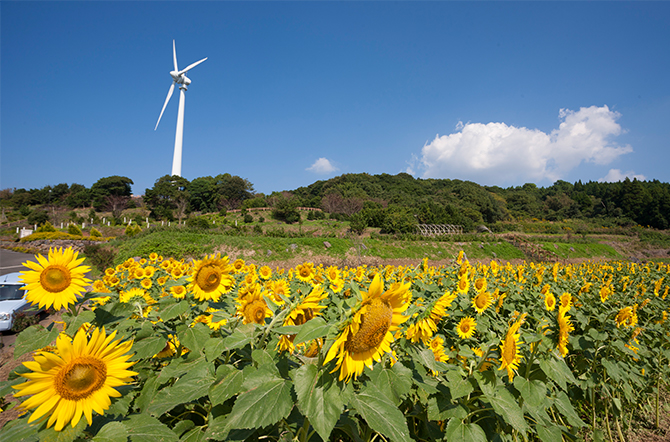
[(211, 349)]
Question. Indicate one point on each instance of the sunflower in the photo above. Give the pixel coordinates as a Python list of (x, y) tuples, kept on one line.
[(77, 379), (100, 287), (564, 329), (265, 272), (336, 285), (482, 301), (627, 317), (423, 329), (550, 302), (238, 266), (333, 273), (566, 301), (605, 291), (210, 278), (170, 348), (55, 281), (307, 309), (466, 327), (253, 307), (305, 272), (480, 284), (146, 283), (494, 267), (437, 347), (463, 284), (178, 291), (510, 357), (127, 295), (369, 334)]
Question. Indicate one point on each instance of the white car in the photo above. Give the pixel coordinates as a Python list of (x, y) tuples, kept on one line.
[(12, 299)]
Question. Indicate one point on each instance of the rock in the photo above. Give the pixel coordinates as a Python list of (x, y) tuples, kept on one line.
[(293, 247), (269, 252), (483, 229), (327, 245)]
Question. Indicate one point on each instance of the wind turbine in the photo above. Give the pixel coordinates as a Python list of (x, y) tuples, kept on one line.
[(180, 78)]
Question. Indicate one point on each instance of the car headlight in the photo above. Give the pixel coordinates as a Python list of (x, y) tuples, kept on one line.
[(5, 316)]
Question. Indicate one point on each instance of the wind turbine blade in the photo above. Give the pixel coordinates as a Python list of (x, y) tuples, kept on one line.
[(174, 56), (183, 71), (164, 105)]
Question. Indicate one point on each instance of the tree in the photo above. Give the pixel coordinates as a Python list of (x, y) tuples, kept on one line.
[(116, 204), (285, 210), (78, 196), (168, 194), (113, 185), (202, 195)]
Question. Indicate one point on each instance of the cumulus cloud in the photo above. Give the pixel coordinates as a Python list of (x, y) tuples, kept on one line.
[(615, 175), (496, 153), (322, 166)]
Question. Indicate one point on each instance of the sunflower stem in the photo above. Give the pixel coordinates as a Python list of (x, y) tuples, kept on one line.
[(305, 434), (607, 421), (658, 394)]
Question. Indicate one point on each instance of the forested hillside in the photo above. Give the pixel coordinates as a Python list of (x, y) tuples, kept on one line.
[(394, 203)]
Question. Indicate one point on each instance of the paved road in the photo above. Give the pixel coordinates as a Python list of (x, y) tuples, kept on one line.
[(13, 261)]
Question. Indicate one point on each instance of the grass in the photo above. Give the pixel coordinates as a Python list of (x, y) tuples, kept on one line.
[(582, 250), (185, 243)]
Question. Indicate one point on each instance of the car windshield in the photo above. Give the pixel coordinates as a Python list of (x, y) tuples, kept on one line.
[(10, 292)]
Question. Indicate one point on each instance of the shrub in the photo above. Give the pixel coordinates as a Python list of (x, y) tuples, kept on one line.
[(248, 218), (74, 229), (95, 233), (258, 229), (99, 257), (38, 217), (198, 222), (358, 223), (22, 321), (261, 219), (133, 229), (46, 227)]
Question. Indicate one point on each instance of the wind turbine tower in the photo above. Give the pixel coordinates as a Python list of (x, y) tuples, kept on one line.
[(180, 78)]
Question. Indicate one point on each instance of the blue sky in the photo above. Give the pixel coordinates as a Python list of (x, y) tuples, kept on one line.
[(500, 93)]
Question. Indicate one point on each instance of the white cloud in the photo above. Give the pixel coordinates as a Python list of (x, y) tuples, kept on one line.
[(615, 175), (496, 153), (322, 166)]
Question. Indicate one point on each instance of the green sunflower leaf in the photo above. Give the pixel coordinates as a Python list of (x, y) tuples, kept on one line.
[(319, 398), (312, 329), (506, 406), (112, 432), (19, 430), (228, 385), (193, 385), (457, 430), (194, 338), (33, 338), (144, 428), (562, 403), (174, 310), (380, 413), (74, 322), (147, 348), (264, 404)]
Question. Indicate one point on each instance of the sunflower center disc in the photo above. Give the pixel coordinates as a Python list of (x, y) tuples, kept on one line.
[(255, 311), (208, 279), (375, 323), (80, 378), (55, 278)]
